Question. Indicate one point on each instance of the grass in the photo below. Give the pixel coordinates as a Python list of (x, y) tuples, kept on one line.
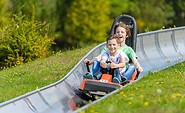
[(21, 79), (160, 92)]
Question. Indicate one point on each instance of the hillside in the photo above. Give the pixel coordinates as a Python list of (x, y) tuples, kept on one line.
[(161, 92), (24, 78)]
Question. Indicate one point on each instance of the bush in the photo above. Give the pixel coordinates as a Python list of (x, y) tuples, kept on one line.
[(23, 41)]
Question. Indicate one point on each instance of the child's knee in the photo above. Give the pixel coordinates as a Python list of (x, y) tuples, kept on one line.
[(95, 67)]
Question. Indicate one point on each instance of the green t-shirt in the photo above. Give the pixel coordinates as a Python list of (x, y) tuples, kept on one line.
[(127, 49)]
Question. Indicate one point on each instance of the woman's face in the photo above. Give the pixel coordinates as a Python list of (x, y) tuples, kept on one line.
[(121, 32)]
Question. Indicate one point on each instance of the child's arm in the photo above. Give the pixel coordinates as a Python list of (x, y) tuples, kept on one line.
[(103, 63), (120, 65), (98, 58)]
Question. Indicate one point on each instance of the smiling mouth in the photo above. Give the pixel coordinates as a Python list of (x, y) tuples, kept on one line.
[(111, 49)]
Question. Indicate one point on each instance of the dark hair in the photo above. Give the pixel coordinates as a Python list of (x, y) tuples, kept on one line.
[(113, 36), (124, 26)]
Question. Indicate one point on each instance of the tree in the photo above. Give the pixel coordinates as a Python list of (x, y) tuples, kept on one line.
[(149, 14), (86, 20), (119, 7), (45, 11), (152, 14), (4, 14), (179, 9)]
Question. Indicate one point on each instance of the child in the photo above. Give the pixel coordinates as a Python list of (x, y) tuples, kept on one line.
[(123, 32), (117, 58)]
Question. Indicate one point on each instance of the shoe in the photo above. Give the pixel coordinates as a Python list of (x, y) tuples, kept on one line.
[(126, 82), (116, 80), (123, 79), (89, 76)]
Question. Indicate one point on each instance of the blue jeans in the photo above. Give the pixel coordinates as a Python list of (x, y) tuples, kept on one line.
[(129, 71), (96, 70), (127, 74), (97, 73)]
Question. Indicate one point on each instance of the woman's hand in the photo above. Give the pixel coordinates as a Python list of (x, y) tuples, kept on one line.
[(139, 69)]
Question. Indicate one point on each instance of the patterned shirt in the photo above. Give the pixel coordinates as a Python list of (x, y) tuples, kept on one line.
[(128, 51), (116, 59)]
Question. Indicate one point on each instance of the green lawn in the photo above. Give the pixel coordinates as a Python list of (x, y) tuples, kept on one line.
[(28, 77), (160, 92)]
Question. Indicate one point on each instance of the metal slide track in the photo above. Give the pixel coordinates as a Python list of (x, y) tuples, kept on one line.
[(156, 50)]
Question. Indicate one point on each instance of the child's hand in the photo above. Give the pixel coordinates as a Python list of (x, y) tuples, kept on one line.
[(113, 65), (87, 61), (103, 64)]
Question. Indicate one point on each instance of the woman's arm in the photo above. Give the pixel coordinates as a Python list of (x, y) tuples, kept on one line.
[(136, 63)]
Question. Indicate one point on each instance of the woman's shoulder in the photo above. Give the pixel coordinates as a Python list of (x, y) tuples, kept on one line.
[(122, 53), (128, 47), (125, 48)]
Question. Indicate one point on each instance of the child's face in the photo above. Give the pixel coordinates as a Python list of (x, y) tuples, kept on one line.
[(121, 32), (113, 46)]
